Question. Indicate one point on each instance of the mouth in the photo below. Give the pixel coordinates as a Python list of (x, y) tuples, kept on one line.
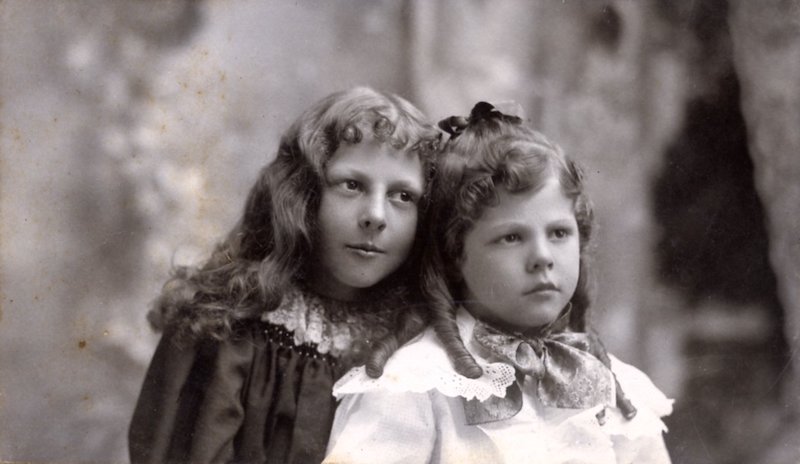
[(543, 287), (365, 249)]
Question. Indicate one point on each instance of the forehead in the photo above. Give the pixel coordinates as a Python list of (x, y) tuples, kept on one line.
[(372, 158), (549, 203)]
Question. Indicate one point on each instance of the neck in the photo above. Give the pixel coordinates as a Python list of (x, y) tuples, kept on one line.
[(559, 324), (324, 288)]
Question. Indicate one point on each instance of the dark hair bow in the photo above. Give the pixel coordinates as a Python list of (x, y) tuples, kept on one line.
[(482, 111), (454, 125)]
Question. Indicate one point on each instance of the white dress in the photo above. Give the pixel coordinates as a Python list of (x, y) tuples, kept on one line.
[(414, 413)]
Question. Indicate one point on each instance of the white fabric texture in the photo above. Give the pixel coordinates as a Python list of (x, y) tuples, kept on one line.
[(420, 366), (306, 316), (414, 414)]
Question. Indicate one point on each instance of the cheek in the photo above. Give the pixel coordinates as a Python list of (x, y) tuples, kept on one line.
[(407, 227), (474, 272), (328, 221), (470, 259), (573, 267)]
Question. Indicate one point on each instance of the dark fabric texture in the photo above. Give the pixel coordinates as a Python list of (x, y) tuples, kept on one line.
[(253, 398)]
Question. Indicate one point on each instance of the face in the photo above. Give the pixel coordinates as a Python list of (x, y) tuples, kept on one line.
[(522, 258), (367, 217)]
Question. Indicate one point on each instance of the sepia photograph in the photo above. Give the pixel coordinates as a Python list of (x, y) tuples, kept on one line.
[(400, 231)]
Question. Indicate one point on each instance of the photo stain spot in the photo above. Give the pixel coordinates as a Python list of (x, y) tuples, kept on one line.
[(82, 344)]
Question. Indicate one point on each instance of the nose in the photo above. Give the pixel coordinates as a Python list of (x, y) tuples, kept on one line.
[(540, 257), (373, 216)]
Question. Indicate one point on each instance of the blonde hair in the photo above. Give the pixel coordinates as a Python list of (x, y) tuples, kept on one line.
[(272, 242)]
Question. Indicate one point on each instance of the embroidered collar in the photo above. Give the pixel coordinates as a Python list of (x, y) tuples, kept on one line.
[(338, 328)]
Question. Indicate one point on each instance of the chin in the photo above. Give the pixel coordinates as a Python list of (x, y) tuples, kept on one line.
[(539, 320), (363, 283)]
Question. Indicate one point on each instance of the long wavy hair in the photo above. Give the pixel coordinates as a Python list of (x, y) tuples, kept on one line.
[(270, 246), (488, 152)]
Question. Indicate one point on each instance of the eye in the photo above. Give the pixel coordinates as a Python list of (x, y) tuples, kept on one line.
[(403, 196), (510, 238), (350, 185), (561, 233)]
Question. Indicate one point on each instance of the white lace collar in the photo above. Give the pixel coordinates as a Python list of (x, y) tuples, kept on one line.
[(310, 320), (422, 365)]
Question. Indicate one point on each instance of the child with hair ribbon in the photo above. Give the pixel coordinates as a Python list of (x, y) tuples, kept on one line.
[(509, 371), (319, 275)]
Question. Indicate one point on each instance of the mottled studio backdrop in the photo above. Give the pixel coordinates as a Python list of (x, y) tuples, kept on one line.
[(131, 131)]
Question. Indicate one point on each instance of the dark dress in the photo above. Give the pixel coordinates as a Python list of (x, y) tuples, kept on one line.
[(263, 395)]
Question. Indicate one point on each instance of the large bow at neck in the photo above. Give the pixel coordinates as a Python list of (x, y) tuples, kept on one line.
[(568, 375)]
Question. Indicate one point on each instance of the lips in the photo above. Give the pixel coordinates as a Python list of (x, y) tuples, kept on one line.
[(542, 287), (366, 248)]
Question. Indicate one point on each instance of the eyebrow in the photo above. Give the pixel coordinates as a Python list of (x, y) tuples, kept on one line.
[(506, 224), (504, 227), (358, 174), (413, 187), (515, 224), (566, 221)]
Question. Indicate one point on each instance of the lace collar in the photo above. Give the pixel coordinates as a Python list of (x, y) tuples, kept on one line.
[(422, 365), (336, 327)]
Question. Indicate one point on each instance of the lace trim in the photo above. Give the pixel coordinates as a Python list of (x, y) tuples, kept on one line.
[(278, 335), (423, 366), (309, 320), (418, 368)]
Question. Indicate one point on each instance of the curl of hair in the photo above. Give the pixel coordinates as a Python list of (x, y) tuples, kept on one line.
[(409, 323), (271, 244), (490, 154)]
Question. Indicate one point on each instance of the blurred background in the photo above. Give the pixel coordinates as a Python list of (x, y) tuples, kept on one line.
[(132, 130)]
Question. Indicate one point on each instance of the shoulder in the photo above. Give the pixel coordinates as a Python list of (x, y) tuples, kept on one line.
[(187, 368), (177, 342), (206, 319), (641, 390), (423, 365), (650, 402)]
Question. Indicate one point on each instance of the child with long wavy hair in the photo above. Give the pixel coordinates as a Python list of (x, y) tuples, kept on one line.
[(320, 274), (510, 371)]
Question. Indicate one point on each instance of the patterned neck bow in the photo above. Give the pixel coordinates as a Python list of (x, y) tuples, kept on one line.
[(568, 374)]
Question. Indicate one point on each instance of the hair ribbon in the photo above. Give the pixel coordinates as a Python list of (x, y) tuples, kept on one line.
[(507, 110)]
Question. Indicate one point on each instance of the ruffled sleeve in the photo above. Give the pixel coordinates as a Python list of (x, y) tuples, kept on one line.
[(640, 439), (190, 407), (254, 398)]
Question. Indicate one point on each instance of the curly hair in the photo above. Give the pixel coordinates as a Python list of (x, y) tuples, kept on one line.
[(489, 152), (271, 244)]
